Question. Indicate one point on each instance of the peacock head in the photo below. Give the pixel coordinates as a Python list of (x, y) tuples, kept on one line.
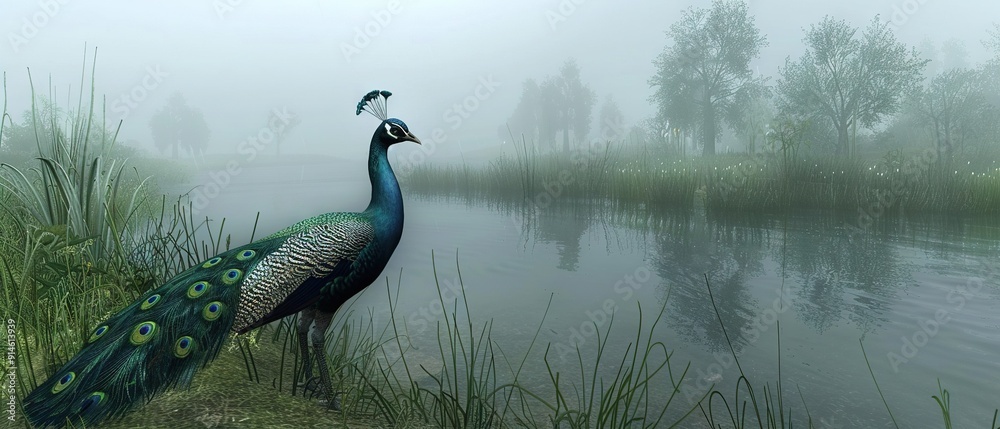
[(391, 130)]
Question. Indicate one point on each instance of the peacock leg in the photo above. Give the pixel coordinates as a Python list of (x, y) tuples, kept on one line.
[(305, 321), (319, 347)]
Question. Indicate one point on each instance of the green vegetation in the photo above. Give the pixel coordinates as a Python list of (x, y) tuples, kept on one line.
[(634, 175), (80, 237), (538, 180), (65, 223), (851, 91), (704, 78), (848, 77)]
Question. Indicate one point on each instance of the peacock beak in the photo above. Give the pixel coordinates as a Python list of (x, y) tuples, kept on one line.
[(412, 138)]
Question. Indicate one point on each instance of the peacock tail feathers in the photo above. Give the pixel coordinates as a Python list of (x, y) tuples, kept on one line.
[(162, 339), (154, 344)]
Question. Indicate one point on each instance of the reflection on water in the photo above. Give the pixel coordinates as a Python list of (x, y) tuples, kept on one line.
[(826, 283)]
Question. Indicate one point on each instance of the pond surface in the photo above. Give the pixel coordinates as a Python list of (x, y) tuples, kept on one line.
[(922, 294)]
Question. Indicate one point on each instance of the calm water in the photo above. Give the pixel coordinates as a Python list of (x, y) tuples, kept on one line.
[(922, 294)]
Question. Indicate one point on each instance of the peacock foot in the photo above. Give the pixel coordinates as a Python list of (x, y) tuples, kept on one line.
[(331, 404), (313, 388)]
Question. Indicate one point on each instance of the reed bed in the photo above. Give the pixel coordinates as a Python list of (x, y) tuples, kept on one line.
[(636, 175)]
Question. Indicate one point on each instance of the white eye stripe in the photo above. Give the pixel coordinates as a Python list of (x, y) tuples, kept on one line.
[(389, 128)]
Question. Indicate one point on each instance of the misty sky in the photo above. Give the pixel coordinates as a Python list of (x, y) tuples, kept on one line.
[(239, 59)]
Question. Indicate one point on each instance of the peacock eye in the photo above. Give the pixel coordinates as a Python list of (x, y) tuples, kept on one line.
[(142, 333), (64, 382)]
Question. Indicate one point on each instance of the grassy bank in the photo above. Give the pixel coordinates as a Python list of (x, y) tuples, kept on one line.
[(639, 175), (80, 239)]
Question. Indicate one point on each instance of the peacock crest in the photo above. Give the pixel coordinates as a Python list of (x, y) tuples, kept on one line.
[(375, 103)]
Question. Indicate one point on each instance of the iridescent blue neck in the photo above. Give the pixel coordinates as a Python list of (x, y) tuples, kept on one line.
[(387, 201)]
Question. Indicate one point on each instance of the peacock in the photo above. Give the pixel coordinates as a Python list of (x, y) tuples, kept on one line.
[(313, 267)]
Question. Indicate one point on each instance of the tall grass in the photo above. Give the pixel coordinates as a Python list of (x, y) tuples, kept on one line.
[(77, 244), (478, 385), (626, 400), (77, 241), (74, 188), (528, 176), (462, 393), (62, 262), (58, 282), (770, 413), (635, 174)]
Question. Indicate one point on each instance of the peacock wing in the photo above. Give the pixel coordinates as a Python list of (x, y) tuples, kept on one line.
[(289, 279)]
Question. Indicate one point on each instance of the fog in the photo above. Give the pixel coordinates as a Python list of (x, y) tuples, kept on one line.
[(237, 61), (700, 157)]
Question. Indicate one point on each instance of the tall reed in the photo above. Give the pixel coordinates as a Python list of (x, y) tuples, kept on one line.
[(642, 176)]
